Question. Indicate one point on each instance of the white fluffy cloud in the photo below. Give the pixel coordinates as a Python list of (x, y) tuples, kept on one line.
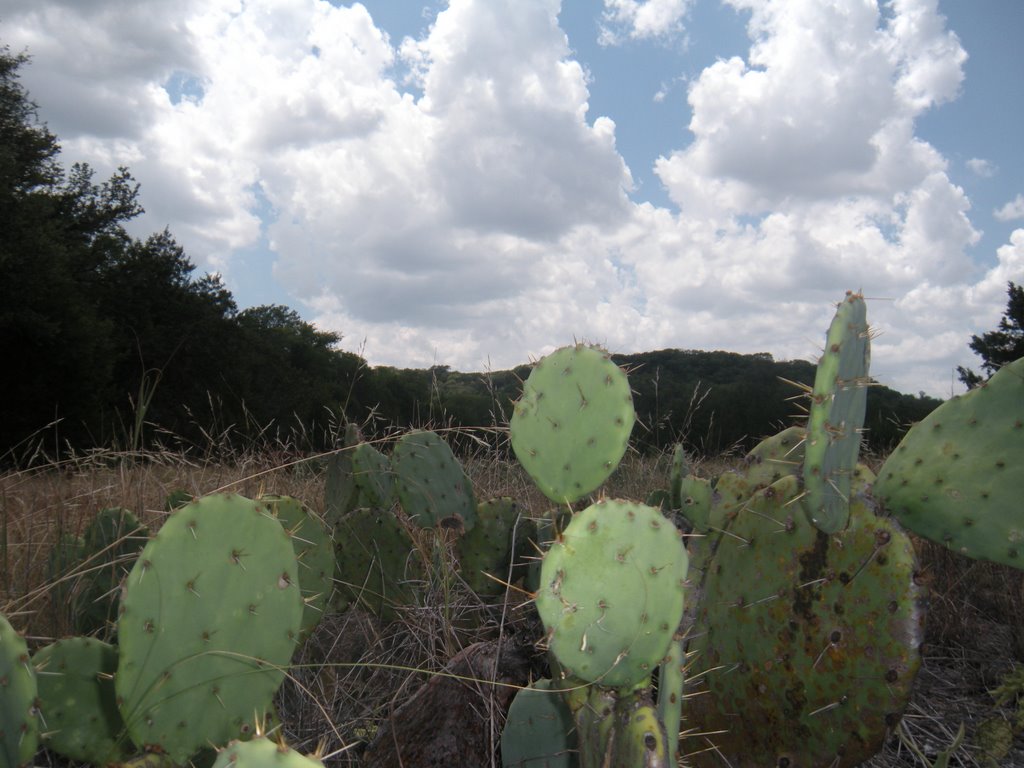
[(486, 217), (1012, 210), (638, 19)]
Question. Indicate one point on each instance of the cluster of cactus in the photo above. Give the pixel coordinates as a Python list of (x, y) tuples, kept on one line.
[(785, 630), (804, 613), (378, 504), (208, 620)]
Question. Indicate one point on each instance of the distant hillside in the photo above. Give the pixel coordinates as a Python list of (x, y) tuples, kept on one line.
[(709, 400)]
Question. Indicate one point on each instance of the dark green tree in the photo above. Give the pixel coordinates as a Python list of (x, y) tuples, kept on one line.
[(1001, 346), (294, 373), (59, 231)]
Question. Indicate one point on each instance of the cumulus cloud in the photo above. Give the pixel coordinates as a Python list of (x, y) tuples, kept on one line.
[(1012, 210), (638, 19), (482, 215)]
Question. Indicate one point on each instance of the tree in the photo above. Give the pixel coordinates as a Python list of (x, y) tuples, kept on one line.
[(58, 233), (1001, 346), (293, 373)]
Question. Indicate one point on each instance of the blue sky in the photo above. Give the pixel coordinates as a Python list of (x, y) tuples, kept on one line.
[(476, 182)]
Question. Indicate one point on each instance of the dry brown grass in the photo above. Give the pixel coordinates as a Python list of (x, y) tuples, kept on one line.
[(354, 670)]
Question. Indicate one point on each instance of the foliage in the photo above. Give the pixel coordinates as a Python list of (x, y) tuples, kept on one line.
[(113, 333), (1001, 346)]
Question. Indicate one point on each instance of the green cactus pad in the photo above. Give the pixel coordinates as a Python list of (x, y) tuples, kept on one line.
[(671, 680), (611, 593), (375, 563), (112, 542), (695, 498), (571, 427), (19, 721), (210, 616), (77, 700), (957, 476), (539, 730), (374, 478), (494, 550), (775, 457), (679, 471), (314, 552), (340, 490), (806, 644), (262, 752), (432, 486), (838, 403)]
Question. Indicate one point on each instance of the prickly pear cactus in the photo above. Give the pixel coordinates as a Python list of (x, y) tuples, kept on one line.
[(838, 403), (340, 489), (671, 683), (611, 595), (210, 615), (19, 721), (314, 552), (494, 551), (775, 457), (373, 476), (112, 542), (432, 486), (679, 471), (77, 700), (376, 566), (571, 426), (695, 500), (263, 752), (805, 644), (957, 476), (539, 730)]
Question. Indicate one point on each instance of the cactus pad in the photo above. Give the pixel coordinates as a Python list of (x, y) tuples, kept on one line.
[(838, 403), (488, 554), (77, 700), (611, 593), (774, 457), (340, 490), (432, 486), (19, 721), (539, 730), (375, 562), (210, 615), (374, 479), (112, 542), (957, 476), (314, 552), (571, 427), (806, 644), (679, 471), (262, 752)]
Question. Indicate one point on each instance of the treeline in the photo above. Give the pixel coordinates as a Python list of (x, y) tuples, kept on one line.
[(114, 341), (710, 401)]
